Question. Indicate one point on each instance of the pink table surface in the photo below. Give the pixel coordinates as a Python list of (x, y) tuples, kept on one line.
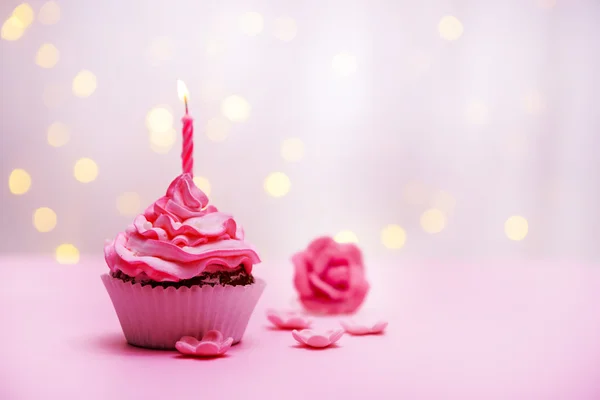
[(480, 331)]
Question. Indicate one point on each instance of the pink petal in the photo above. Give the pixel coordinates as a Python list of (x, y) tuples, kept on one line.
[(335, 335), (299, 336), (355, 329), (379, 327), (226, 345), (213, 336), (314, 339), (275, 320), (297, 323), (318, 341), (207, 349)]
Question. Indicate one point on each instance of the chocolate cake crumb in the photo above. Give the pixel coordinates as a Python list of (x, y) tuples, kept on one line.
[(224, 278)]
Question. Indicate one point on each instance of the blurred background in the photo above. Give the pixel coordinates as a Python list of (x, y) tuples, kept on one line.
[(446, 130)]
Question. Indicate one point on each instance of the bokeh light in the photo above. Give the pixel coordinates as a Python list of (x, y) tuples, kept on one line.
[(217, 129), (162, 142), (203, 184), (84, 84), (67, 253), (19, 181), (24, 13), (235, 108), (343, 64), (85, 170), (44, 219), (58, 134), (393, 237), (12, 29), (433, 220), (477, 113), (159, 119), (251, 23), (292, 149), (129, 204), (345, 237), (285, 29), (450, 28), (443, 201), (47, 56), (516, 227), (55, 95), (534, 102), (49, 13), (277, 184)]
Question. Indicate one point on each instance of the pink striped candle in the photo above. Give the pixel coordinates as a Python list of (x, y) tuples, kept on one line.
[(187, 152)]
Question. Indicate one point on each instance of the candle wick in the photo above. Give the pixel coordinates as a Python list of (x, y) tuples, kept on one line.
[(186, 105)]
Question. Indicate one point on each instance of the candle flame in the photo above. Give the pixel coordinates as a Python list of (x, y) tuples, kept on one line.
[(182, 91)]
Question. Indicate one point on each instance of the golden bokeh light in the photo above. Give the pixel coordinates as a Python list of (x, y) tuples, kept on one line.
[(84, 84), (49, 14), (433, 220), (292, 149), (450, 28), (85, 170), (159, 119), (345, 237), (203, 184), (277, 184), (516, 227), (162, 142), (24, 13), (477, 113), (159, 51), (217, 129), (58, 134), (235, 108), (443, 201), (534, 102), (12, 29), (251, 23), (67, 253), (393, 237), (129, 204), (55, 95), (285, 29), (47, 56), (44, 219), (19, 181), (343, 64)]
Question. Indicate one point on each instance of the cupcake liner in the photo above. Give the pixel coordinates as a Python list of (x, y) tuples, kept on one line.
[(158, 317)]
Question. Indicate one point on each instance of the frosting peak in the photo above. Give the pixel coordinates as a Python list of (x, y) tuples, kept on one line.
[(179, 237)]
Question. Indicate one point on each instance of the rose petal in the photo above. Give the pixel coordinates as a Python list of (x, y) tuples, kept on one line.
[(301, 275), (325, 288), (318, 245)]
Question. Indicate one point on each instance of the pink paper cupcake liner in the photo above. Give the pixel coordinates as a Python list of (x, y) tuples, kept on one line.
[(158, 317)]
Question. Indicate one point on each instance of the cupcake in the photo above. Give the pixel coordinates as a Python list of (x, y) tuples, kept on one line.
[(181, 269)]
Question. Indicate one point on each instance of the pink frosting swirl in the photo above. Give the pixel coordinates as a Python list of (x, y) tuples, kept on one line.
[(179, 237)]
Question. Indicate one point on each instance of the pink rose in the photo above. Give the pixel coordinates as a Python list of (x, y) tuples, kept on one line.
[(330, 277)]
